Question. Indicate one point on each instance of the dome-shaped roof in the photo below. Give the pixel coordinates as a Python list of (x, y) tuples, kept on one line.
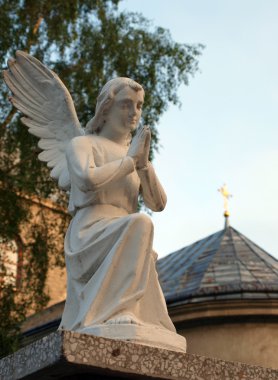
[(225, 265)]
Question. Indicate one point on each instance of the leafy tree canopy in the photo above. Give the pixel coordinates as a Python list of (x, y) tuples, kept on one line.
[(86, 42)]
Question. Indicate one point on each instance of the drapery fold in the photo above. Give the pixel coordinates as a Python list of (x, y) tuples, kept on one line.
[(108, 246)]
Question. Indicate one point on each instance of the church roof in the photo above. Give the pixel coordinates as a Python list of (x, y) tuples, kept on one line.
[(222, 266)]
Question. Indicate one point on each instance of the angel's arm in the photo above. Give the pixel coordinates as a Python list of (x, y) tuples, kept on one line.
[(153, 194), (85, 174)]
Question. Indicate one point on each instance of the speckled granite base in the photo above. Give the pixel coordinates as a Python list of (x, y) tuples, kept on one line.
[(69, 355)]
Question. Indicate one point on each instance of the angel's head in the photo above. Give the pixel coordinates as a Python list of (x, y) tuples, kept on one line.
[(121, 99)]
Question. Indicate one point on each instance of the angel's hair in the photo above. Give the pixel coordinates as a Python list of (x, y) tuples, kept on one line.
[(105, 100)]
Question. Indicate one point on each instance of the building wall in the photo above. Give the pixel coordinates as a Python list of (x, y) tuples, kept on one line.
[(45, 212), (56, 285), (52, 217), (15, 253), (252, 343)]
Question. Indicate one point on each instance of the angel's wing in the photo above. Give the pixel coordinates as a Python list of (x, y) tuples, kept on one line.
[(48, 108)]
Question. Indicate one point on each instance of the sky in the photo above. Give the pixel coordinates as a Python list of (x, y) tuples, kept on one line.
[(226, 130)]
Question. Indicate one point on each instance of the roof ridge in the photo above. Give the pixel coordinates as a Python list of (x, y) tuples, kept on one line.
[(239, 259), (259, 247), (226, 230), (230, 229), (248, 241), (188, 246), (190, 258), (208, 245)]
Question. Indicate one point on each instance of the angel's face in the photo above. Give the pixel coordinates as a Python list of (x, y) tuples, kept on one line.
[(125, 112)]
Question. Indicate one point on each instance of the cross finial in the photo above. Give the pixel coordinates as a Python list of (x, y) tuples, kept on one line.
[(226, 195)]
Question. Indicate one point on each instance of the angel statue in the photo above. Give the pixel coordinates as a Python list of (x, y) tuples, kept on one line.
[(112, 289)]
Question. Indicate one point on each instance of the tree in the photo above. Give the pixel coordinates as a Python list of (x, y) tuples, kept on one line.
[(86, 42)]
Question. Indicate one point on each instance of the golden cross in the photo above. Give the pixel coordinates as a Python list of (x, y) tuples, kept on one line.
[(226, 195)]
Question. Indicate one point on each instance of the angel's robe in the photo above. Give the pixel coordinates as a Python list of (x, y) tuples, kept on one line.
[(108, 246)]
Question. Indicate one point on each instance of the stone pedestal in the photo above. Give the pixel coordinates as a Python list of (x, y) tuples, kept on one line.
[(68, 355)]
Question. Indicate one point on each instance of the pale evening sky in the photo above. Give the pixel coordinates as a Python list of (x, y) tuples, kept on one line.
[(227, 127)]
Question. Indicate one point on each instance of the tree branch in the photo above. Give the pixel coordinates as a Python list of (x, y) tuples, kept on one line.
[(37, 25)]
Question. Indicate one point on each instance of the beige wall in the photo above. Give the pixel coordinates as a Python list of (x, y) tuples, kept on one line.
[(56, 285), (253, 343)]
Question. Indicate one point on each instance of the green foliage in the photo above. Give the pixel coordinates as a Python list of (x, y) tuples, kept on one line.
[(12, 314), (30, 280), (86, 42)]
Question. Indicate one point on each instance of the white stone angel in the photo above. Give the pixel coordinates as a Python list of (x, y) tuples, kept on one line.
[(112, 288)]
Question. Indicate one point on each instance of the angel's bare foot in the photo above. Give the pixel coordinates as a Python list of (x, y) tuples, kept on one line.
[(126, 319)]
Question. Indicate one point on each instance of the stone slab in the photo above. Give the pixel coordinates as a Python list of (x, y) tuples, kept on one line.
[(69, 355)]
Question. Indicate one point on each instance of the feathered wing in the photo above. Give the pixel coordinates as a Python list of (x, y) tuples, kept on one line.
[(48, 108)]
